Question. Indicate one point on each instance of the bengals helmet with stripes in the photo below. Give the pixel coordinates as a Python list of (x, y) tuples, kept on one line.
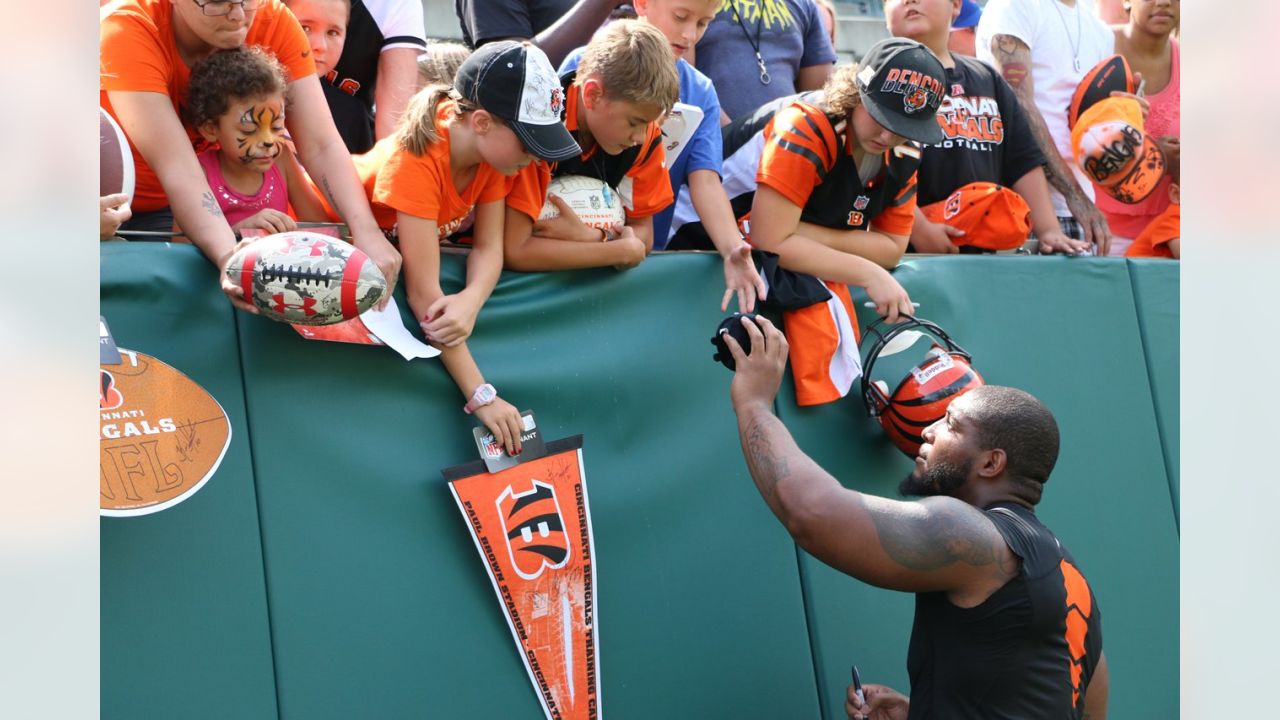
[(922, 397)]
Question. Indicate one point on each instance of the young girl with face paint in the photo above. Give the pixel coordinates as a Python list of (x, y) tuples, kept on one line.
[(237, 104)]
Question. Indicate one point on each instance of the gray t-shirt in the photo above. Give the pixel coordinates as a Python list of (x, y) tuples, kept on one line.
[(791, 34)]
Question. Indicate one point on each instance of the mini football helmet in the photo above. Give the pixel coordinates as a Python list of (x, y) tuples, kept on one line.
[(922, 396)]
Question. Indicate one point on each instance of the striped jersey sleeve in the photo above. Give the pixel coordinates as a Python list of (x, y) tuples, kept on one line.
[(800, 147)]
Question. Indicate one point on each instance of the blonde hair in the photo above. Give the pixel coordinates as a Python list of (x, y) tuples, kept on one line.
[(840, 93), (634, 63), (416, 130), (439, 63)]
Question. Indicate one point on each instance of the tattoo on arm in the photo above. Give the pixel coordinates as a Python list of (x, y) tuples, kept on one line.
[(1012, 56), (210, 204), (948, 535), (1013, 59), (328, 191), (766, 464)]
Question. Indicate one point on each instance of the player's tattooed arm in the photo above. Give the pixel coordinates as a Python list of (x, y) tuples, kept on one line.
[(943, 531), (1012, 59), (763, 441)]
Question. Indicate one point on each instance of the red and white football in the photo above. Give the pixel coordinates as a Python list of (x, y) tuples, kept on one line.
[(306, 278), (115, 174)]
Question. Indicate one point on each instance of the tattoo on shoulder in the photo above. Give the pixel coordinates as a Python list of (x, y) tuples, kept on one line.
[(763, 460), (950, 535), (210, 204), (1012, 55)]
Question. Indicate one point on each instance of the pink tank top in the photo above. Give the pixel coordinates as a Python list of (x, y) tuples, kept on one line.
[(236, 205), (1130, 220)]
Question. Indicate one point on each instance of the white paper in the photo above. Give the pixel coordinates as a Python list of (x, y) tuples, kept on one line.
[(386, 324), (681, 123)]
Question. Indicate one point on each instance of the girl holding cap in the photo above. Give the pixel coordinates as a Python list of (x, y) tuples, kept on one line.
[(450, 156)]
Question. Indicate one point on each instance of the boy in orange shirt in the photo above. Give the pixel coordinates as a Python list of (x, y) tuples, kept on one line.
[(451, 155), (624, 85), (1163, 236)]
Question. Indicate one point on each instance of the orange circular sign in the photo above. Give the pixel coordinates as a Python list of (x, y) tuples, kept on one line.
[(162, 436)]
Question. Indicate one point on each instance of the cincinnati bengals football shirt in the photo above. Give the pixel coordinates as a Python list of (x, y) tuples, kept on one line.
[(987, 137)]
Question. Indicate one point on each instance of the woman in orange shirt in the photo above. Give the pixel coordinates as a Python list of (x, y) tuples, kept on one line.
[(146, 51), (451, 155)]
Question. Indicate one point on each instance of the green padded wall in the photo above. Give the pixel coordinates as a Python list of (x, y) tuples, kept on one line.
[(183, 601), (1065, 330), (325, 571), (1155, 286), (376, 588)]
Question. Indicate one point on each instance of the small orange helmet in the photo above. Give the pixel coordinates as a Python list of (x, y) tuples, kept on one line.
[(922, 396)]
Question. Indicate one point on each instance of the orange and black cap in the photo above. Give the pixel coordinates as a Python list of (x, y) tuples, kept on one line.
[(992, 216)]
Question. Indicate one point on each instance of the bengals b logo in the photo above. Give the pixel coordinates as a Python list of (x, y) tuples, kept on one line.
[(109, 398), (534, 528)]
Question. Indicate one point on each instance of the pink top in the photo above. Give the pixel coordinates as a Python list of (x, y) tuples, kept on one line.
[(236, 205), (1130, 220)]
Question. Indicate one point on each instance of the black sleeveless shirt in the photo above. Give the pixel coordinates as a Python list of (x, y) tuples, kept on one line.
[(1026, 652)]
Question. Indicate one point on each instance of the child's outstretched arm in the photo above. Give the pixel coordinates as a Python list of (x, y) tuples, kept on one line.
[(713, 207), (776, 227), (420, 248), (453, 317)]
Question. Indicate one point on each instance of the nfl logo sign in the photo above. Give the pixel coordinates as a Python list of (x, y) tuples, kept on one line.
[(861, 202)]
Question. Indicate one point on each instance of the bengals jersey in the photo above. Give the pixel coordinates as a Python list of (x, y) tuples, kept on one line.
[(1028, 651), (792, 146)]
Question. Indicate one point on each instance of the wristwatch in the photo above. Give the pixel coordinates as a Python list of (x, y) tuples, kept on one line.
[(484, 395)]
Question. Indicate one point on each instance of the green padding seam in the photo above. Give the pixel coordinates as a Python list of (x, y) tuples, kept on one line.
[(1155, 292), (330, 509)]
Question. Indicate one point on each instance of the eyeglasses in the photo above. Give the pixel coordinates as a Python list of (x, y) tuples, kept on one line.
[(218, 8)]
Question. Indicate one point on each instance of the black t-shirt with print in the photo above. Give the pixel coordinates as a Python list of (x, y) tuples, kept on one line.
[(987, 136)]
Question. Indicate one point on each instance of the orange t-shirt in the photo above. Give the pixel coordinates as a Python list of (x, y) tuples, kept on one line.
[(422, 186), (801, 148), (645, 189), (1153, 241), (137, 53)]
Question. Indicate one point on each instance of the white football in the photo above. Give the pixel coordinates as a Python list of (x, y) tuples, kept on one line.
[(306, 278), (596, 204)]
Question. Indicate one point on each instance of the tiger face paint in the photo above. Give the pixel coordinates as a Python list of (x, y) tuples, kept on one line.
[(250, 132)]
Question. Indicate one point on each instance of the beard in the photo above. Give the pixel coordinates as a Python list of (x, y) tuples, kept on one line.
[(943, 478)]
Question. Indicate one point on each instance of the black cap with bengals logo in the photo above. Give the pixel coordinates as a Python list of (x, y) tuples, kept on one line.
[(515, 81), (902, 85)]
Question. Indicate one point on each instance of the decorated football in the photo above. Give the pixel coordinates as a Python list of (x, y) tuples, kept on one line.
[(306, 278), (595, 203), (115, 174)]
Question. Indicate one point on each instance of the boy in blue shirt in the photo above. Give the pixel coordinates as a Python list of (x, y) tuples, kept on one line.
[(696, 171)]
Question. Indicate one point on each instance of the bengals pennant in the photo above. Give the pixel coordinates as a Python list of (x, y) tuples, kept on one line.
[(532, 526)]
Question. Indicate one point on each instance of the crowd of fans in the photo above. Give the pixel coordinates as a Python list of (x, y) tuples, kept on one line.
[(970, 129), (953, 136)]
